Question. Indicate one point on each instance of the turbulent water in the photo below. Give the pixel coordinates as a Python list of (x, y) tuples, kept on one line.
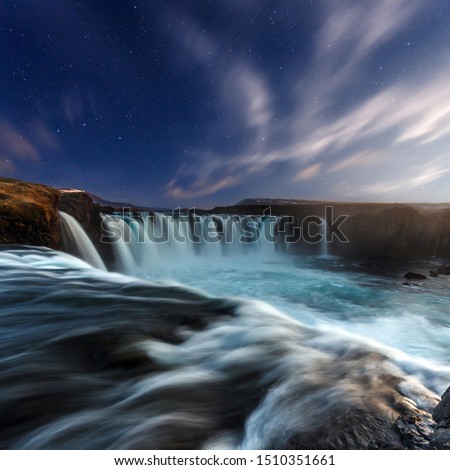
[(94, 359)]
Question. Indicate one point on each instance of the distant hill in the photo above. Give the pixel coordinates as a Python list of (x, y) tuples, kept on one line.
[(104, 202), (259, 201), (279, 202), (120, 205), (114, 204)]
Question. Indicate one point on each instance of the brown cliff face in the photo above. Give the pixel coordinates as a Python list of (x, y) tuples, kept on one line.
[(29, 214)]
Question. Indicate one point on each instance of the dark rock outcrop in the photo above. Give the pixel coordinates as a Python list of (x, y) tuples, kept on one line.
[(415, 276), (442, 411), (416, 429), (441, 270), (441, 414), (29, 214)]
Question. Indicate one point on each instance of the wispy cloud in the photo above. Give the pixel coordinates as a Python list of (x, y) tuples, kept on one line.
[(413, 111), (309, 172), (194, 40), (7, 167), (391, 187), (244, 100), (355, 28), (360, 159), (44, 137), (201, 187), (72, 105), (244, 89), (14, 147)]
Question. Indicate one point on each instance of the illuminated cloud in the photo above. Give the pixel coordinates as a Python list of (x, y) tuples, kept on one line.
[(392, 187), (309, 172), (245, 90), (391, 130), (199, 188), (360, 159), (17, 148)]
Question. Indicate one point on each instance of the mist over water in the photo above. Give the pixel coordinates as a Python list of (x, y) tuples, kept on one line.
[(224, 347)]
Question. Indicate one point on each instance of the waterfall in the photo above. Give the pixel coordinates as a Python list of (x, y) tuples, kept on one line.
[(438, 238), (324, 249), (75, 239), (150, 242)]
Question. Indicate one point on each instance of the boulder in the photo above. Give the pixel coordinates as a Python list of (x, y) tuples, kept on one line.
[(442, 411), (441, 437), (415, 276), (444, 270)]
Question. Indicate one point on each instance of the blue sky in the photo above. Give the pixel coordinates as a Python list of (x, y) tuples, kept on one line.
[(209, 102)]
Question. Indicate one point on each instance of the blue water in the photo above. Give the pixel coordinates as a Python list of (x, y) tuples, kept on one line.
[(329, 293)]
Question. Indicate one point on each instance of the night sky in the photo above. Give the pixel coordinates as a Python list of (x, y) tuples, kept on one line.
[(209, 102)]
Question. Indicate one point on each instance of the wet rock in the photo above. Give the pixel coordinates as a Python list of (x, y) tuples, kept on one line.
[(416, 430), (415, 276), (441, 414), (441, 437), (442, 411), (445, 270)]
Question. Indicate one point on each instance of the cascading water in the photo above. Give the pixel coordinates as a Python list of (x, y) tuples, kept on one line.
[(76, 240), (324, 250), (153, 242)]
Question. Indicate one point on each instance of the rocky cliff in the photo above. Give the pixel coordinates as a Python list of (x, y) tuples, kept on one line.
[(374, 230), (29, 214)]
